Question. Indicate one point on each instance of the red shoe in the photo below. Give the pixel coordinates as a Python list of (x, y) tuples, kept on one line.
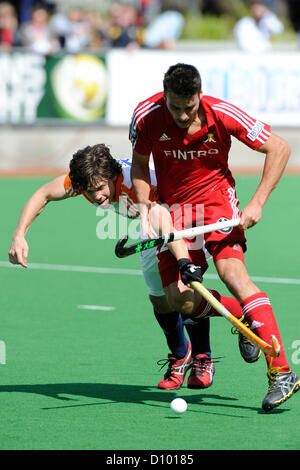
[(202, 372), (175, 376)]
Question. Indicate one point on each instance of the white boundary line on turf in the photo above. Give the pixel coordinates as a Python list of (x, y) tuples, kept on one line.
[(71, 268), (96, 307), (133, 272)]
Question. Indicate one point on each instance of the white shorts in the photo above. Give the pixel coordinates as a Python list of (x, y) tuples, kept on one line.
[(150, 272)]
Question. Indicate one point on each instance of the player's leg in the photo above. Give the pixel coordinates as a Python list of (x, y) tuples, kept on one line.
[(170, 321), (184, 299), (259, 315), (171, 324), (179, 360), (196, 311), (203, 368), (235, 252)]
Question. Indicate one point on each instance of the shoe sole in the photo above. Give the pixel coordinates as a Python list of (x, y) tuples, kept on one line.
[(295, 389), (199, 387), (249, 361), (170, 388), (252, 360)]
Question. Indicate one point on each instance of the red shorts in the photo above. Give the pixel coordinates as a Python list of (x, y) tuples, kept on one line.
[(167, 263), (221, 203)]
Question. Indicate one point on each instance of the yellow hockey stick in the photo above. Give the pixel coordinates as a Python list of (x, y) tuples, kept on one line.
[(272, 349)]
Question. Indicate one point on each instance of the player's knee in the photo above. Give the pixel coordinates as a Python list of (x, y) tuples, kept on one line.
[(181, 302), (160, 304), (233, 282), (228, 277), (236, 280)]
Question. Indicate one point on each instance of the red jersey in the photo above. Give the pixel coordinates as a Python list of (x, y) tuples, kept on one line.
[(186, 166)]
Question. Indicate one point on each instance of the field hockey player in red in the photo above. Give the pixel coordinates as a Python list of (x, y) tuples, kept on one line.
[(189, 136)]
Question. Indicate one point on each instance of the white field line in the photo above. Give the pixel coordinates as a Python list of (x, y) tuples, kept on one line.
[(96, 307), (71, 268), (133, 272)]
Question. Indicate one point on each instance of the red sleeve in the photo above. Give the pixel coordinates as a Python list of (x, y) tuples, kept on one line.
[(245, 128), (140, 139)]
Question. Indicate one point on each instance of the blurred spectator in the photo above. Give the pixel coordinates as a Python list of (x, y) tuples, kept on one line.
[(36, 34), (124, 25), (74, 30), (164, 30), (59, 25), (24, 8), (9, 35), (149, 9), (98, 37), (253, 33)]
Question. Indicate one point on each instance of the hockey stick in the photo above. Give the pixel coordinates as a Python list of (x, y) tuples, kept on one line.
[(122, 251), (272, 349)]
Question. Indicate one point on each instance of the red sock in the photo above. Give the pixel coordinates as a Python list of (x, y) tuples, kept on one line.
[(259, 314), (206, 310)]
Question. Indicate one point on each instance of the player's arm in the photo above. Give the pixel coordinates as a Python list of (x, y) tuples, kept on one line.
[(140, 177), (155, 219), (53, 191), (277, 153)]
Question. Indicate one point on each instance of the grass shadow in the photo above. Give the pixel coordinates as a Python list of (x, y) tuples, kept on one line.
[(120, 393)]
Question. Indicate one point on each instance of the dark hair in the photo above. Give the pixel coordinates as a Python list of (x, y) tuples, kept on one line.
[(90, 164), (183, 80)]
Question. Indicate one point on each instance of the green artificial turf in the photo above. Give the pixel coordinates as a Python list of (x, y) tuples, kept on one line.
[(82, 379)]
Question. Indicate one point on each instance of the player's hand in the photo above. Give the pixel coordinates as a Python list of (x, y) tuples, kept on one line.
[(18, 252), (250, 216), (189, 272)]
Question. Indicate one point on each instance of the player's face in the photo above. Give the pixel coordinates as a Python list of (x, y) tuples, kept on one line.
[(183, 110), (102, 191)]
